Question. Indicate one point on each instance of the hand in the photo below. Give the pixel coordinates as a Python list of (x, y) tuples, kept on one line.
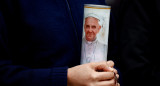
[(116, 77), (89, 75)]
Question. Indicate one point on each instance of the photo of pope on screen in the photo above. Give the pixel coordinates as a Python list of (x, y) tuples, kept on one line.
[(95, 33)]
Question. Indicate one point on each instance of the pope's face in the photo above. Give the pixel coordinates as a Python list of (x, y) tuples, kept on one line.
[(91, 28)]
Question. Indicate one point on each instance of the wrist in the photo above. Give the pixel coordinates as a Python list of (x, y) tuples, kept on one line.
[(68, 77)]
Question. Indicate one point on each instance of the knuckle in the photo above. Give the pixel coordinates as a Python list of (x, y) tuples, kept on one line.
[(112, 83), (115, 70), (92, 63), (117, 75), (93, 77), (111, 74), (88, 84), (103, 62), (118, 84)]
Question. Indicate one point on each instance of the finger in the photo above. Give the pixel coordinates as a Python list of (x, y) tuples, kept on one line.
[(115, 71), (111, 70), (107, 83), (117, 84), (102, 66), (110, 63), (117, 76), (101, 76)]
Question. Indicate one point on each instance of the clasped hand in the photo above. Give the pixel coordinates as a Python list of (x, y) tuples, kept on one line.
[(93, 74)]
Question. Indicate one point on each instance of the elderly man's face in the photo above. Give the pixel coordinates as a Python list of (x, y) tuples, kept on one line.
[(91, 28)]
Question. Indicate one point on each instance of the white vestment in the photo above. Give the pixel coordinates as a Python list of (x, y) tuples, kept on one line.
[(93, 51)]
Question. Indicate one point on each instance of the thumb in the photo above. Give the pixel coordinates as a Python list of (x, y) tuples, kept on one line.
[(110, 63), (102, 66)]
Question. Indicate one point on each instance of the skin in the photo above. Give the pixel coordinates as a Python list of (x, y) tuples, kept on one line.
[(89, 74), (91, 28)]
